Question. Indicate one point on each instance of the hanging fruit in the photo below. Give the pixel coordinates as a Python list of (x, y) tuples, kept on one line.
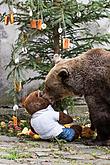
[(11, 18), (17, 86), (33, 24), (39, 24), (7, 19), (66, 43)]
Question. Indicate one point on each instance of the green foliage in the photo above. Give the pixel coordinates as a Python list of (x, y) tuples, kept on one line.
[(65, 104), (41, 45), (70, 15)]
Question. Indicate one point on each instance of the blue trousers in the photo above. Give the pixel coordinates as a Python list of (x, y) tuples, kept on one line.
[(68, 134)]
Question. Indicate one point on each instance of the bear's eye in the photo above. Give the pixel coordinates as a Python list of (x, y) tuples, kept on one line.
[(36, 95)]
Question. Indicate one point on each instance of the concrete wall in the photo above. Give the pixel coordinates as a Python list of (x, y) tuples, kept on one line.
[(8, 35)]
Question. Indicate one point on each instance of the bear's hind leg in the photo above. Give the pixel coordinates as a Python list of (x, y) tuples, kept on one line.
[(103, 130)]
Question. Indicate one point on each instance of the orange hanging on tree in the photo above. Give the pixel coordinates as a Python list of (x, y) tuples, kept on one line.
[(33, 23), (66, 43), (39, 24), (6, 19), (11, 18), (17, 86)]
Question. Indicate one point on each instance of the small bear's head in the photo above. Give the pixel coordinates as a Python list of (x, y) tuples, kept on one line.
[(35, 102)]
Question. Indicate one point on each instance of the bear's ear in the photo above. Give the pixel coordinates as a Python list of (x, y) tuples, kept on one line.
[(63, 73)]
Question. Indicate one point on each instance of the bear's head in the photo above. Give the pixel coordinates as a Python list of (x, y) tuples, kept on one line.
[(35, 102), (64, 79)]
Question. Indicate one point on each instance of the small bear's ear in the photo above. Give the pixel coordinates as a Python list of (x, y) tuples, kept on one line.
[(57, 58), (63, 73), (39, 93)]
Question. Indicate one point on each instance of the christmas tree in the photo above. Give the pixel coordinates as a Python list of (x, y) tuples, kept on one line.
[(49, 27)]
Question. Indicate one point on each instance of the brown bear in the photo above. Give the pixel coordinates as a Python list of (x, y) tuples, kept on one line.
[(47, 122), (86, 75)]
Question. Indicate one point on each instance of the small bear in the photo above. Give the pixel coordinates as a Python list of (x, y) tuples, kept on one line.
[(47, 122)]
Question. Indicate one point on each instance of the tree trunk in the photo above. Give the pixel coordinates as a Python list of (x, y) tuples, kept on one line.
[(56, 40), (55, 32)]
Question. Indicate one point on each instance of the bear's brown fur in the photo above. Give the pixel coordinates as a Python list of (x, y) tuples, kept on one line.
[(87, 75)]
